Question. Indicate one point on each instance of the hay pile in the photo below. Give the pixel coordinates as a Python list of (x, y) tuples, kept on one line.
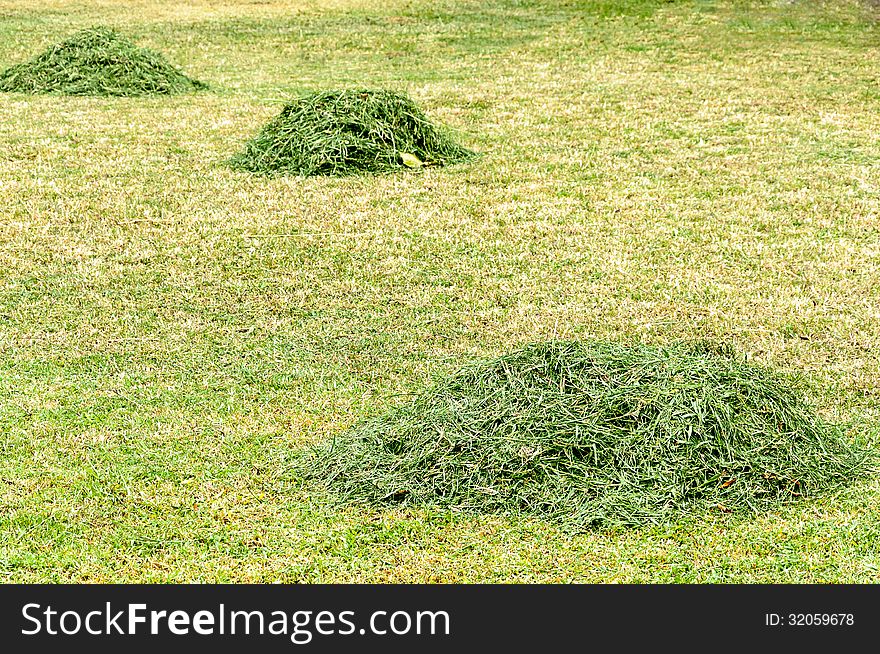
[(97, 61), (594, 434), (349, 132)]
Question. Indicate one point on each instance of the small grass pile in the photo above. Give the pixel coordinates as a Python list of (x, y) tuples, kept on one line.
[(594, 434), (349, 132), (97, 61)]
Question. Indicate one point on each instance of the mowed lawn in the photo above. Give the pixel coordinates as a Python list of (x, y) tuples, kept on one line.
[(172, 332)]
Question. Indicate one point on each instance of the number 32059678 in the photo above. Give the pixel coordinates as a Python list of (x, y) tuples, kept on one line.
[(810, 620)]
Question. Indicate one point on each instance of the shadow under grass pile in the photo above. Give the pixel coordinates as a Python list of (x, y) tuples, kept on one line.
[(594, 434), (349, 132), (97, 61)]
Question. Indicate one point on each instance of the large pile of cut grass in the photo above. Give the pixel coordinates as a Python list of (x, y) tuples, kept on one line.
[(349, 132), (97, 61), (594, 434)]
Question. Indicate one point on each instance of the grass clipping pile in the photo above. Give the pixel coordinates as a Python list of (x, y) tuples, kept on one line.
[(97, 61), (351, 132), (593, 434)]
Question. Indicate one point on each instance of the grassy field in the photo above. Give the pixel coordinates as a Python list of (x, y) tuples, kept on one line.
[(172, 331)]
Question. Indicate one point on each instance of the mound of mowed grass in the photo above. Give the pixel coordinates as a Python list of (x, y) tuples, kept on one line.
[(97, 61), (349, 132), (594, 434)]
